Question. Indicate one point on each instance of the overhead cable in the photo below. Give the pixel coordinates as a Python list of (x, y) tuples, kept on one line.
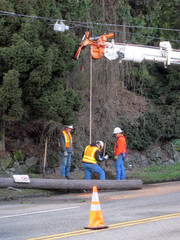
[(88, 23), (94, 25), (127, 26)]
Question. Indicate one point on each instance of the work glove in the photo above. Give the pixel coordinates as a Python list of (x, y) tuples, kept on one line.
[(116, 157), (65, 153), (106, 157)]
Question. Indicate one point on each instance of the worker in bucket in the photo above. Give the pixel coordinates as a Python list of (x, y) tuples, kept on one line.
[(66, 150), (120, 153), (91, 155)]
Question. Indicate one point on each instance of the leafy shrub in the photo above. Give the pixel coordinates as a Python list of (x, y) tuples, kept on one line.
[(176, 143), (53, 160), (146, 130), (18, 156)]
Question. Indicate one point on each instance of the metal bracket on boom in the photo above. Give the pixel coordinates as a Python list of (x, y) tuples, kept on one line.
[(120, 55)]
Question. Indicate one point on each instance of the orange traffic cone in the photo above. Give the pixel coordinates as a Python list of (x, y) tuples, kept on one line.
[(95, 218)]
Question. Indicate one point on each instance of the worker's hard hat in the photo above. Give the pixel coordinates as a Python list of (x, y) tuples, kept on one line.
[(100, 143), (69, 126), (117, 130)]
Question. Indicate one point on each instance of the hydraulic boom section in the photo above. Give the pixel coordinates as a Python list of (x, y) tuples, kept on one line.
[(129, 52)]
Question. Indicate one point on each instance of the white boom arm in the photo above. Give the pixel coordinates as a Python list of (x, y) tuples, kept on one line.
[(139, 53)]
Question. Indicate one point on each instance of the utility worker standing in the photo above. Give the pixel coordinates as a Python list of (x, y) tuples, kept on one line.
[(120, 152), (66, 150), (91, 155)]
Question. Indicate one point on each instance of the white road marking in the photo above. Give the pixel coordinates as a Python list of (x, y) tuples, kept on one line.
[(33, 213)]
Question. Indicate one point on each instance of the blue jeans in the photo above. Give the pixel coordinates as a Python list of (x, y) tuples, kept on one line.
[(65, 165), (120, 173), (89, 168)]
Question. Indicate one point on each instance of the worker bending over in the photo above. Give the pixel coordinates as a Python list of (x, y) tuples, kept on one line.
[(92, 154)]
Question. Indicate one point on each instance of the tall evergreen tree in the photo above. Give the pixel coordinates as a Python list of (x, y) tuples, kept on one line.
[(34, 60)]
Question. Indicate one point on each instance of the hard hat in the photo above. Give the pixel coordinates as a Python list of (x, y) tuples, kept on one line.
[(100, 143), (70, 126), (117, 130)]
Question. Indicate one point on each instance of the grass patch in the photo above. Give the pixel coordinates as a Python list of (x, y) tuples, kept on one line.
[(9, 194), (156, 173)]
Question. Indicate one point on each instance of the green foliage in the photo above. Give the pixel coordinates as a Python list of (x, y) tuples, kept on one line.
[(157, 168), (6, 162), (18, 156), (110, 149), (73, 10), (146, 130), (53, 160), (34, 61), (34, 175), (151, 127), (176, 143), (10, 97), (157, 173), (154, 168)]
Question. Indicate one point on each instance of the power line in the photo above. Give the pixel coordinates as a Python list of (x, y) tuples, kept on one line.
[(28, 16), (93, 25), (87, 23), (126, 26)]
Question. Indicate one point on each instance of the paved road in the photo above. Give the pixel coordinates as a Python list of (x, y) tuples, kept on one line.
[(150, 213)]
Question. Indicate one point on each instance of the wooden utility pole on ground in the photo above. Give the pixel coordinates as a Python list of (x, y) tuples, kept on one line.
[(57, 184)]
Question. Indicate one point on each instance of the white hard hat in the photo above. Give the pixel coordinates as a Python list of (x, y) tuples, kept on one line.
[(117, 130), (100, 143), (70, 126)]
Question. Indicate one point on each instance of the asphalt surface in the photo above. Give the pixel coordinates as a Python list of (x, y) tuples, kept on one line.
[(148, 213)]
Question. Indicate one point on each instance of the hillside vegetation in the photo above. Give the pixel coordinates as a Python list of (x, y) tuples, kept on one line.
[(42, 88)]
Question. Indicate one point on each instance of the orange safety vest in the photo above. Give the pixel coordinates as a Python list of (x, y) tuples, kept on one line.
[(120, 146), (67, 139), (89, 154)]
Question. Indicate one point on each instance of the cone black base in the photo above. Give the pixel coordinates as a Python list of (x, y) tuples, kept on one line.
[(96, 228)]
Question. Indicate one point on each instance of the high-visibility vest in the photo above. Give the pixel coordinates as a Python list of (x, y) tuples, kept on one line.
[(122, 147), (89, 154), (67, 139)]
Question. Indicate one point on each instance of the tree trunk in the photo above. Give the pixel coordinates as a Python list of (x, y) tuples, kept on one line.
[(2, 135)]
